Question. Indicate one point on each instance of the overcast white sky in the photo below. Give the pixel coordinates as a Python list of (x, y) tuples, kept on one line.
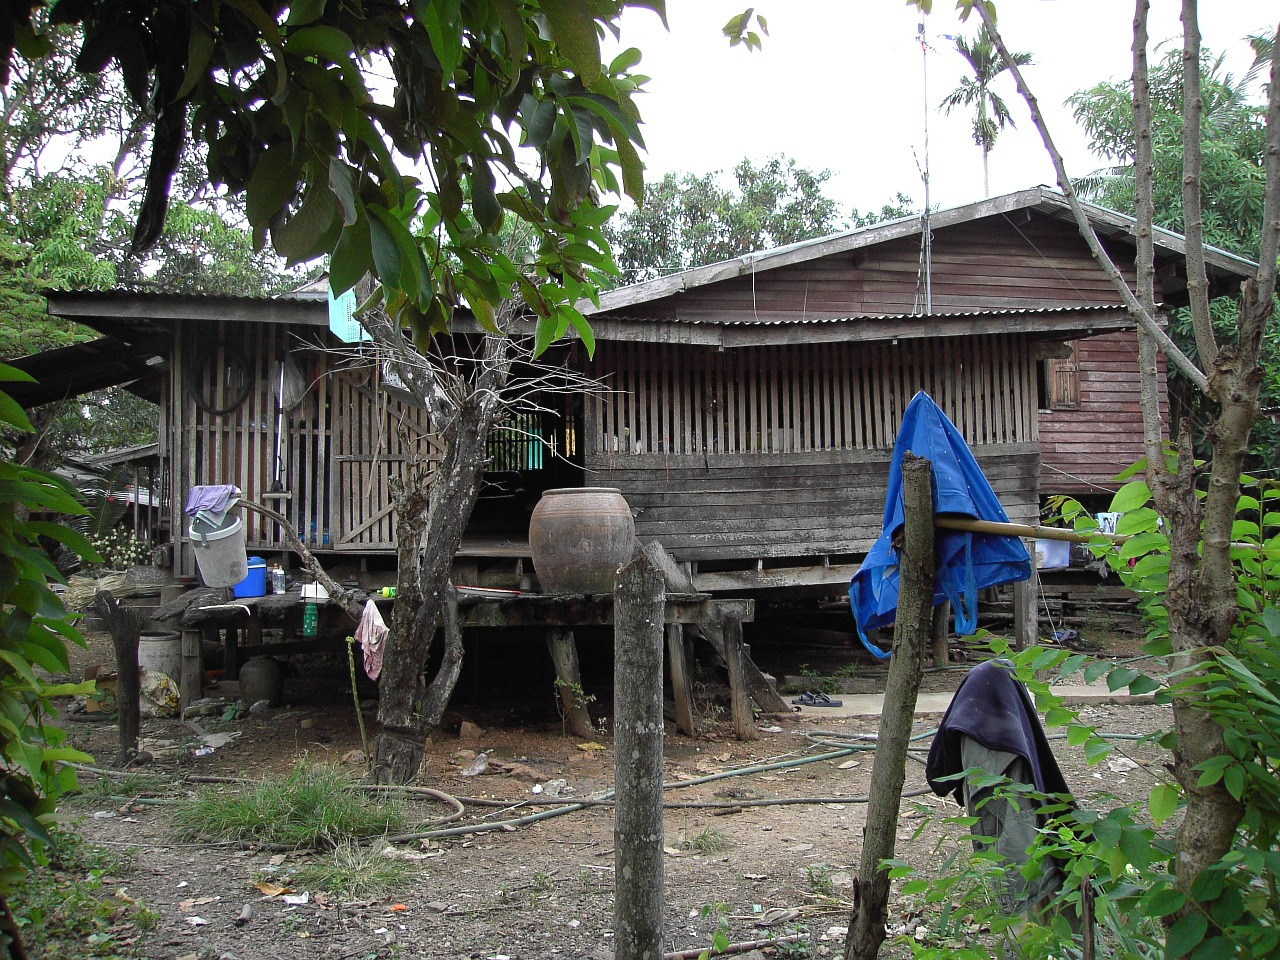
[(839, 85)]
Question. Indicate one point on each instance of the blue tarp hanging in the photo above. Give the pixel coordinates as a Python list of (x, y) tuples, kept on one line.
[(967, 562)]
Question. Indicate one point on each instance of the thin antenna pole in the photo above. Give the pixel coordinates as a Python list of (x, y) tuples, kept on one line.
[(927, 238)]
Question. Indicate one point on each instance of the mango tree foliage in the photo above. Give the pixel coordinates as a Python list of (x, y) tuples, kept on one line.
[(689, 220), (311, 111)]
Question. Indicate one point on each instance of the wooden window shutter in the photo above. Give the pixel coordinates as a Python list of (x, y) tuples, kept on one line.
[(1063, 382)]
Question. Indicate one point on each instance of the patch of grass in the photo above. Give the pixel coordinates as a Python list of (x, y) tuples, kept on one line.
[(710, 840), (820, 880), (100, 789), (71, 906), (543, 885), (355, 871), (312, 808)]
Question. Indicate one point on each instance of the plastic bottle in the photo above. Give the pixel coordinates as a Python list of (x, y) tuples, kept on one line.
[(388, 592), (310, 620), (277, 579)]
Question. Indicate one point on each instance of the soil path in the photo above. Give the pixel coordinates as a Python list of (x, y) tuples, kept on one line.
[(778, 844)]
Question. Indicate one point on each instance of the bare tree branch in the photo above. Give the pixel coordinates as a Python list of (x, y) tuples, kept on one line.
[(1144, 213), (1192, 215), (1148, 323)]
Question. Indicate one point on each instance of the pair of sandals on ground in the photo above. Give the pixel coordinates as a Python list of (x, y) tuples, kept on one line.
[(815, 698)]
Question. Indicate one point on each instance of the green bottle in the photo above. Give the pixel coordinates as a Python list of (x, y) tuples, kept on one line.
[(310, 617)]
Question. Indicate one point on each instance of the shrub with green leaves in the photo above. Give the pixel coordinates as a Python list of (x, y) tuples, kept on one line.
[(34, 629), (1120, 858), (73, 907)]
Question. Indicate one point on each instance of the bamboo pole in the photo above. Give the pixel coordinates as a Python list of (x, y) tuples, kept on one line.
[(1023, 530), (1042, 533)]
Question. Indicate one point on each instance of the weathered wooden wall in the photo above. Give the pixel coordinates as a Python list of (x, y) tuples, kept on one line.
[(783, 452), (1083, 449), (339, 447), (999, 263)]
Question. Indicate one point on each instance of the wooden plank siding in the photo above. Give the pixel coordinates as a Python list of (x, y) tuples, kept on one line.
[(991, 264), (752, 507), (796, 464), (340, 445), (1083, 449)]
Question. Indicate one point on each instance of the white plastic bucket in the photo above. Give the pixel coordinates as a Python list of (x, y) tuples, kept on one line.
[(161, 652), (219, 551)]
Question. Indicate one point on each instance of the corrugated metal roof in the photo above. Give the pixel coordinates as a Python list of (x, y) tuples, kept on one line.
[(881, 317)]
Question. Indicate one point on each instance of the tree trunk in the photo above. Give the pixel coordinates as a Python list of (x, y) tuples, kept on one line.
[(432, 515), (125, 629), (888, 771)]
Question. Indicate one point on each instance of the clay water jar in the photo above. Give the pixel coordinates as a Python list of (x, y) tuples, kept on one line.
[(262, 678), (578, 537)]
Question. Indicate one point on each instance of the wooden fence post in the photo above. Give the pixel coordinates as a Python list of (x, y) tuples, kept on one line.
[(1026, 627), (125, 629), (639, 602), (889, 768)]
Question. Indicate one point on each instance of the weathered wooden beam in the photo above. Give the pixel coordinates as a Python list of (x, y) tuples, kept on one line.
[(1026, 625), (940, 632), (760, 689), (577, 611), (637, 748)]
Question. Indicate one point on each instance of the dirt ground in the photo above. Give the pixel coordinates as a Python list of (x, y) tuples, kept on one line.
[(544, 889)]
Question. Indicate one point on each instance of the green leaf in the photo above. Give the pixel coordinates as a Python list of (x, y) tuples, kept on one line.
[(1162, 804), (10, 374), (573, 29), (304, 11), (1166, 901), (199, 51), (272, 184), (11, 412), (1185, 934), (625, 61), (1143, 684), (1121, 677), (312, 229), (386, 253), (1132, 495), (1096, 750), (322, 41), (342, 181), (1233, 779), (632, 170), (352, 257)]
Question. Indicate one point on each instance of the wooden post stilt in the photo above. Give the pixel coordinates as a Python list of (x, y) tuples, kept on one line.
[(1026, 626), (125, 629), (681, 684), (191, 684), (902, 687), (941, 633), (735, 656), (564, 654), (639, 603)]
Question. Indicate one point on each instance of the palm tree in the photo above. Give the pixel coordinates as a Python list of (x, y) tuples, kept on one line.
[(991, 115)]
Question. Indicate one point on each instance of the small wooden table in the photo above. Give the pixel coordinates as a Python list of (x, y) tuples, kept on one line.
[(718, 621)]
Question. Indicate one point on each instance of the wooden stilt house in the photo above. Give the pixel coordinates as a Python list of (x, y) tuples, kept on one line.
[(748, 410)]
